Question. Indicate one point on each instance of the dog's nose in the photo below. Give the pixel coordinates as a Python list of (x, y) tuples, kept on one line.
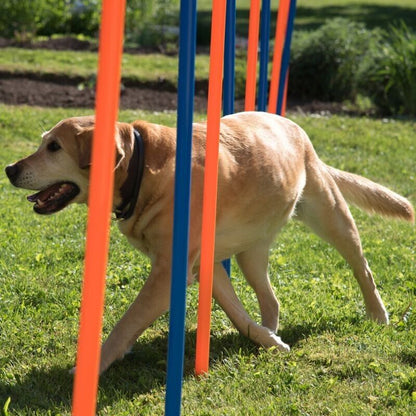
[(12, 171)]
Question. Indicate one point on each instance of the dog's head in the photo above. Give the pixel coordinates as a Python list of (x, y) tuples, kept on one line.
[(59, 169)]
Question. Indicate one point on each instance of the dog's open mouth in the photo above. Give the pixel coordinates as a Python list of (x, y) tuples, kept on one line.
[(54, 198)]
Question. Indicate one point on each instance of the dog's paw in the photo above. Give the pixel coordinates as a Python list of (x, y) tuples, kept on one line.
[(279, 344), (379, 315), (266, 338)]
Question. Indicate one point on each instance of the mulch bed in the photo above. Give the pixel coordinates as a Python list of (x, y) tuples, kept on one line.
[(61, 91), (20, 90)]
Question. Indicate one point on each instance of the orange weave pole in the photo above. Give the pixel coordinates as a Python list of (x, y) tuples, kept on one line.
[(100, 204), (252, 53), (281, 27), (209, 207)]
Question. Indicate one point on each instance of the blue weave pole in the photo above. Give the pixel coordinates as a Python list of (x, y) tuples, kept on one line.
[(186, 89), (264, 55), (286, 56), (229, 76), (229, 60)]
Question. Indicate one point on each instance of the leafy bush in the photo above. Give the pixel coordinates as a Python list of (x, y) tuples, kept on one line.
[(342, 59), (27, 18), (18, 17), (146, 20), (391, 79), (83, 16), (325, 63), (149, 22)]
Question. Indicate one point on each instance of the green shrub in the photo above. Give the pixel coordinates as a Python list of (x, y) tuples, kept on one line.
[(18, 17), (28, 18), (325, 63), (83, 16), (146, 20), (391, 79)]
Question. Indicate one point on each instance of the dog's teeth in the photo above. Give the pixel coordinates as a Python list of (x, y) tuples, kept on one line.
[(39, 203)]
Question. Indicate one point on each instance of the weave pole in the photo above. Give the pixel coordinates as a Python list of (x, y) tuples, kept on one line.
[(285, 59), (252, 53), (100, 206), (186, 81), (209, 207), (229, 59), (284, 99), (229, 76), (264, 55), (279, 41)]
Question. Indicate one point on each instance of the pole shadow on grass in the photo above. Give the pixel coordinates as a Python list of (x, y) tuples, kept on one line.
[(310, 18), (295, 333), (372, 15)]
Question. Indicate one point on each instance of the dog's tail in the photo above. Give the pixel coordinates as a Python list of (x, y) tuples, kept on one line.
[(371, 196)]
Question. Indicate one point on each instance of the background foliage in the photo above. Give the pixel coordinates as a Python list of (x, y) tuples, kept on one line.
[(146, 20), (26, 18), (340, 59), (326, 63), (343, 59), (391, 75)]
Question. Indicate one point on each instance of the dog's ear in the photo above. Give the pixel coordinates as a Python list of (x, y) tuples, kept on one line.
[(123, 136), (84, 144)]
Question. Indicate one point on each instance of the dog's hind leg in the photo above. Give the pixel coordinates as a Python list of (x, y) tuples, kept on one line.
[(226, 297), (254, 263), (324, 209)]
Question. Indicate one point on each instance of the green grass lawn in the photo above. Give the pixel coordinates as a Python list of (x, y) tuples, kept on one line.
[(141, 68), (340, 363)]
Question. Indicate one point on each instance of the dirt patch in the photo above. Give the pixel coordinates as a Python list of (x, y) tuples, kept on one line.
[(37, 92), (50, 90), (59, 44), (19, 90)]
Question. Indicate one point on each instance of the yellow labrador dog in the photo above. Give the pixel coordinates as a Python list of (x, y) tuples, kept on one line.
[(268, 173)]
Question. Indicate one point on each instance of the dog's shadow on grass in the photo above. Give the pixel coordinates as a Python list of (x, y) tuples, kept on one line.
[(295, 333), (144, 369), (141, 371), (39, 389)]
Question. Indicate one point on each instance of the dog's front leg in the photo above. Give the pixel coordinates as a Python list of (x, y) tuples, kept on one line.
[(225, 295), (151, 302)]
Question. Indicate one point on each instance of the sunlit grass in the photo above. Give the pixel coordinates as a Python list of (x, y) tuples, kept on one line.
[(339, 364)]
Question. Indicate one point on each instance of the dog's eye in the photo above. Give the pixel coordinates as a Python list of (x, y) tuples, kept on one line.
[(53, 146)]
